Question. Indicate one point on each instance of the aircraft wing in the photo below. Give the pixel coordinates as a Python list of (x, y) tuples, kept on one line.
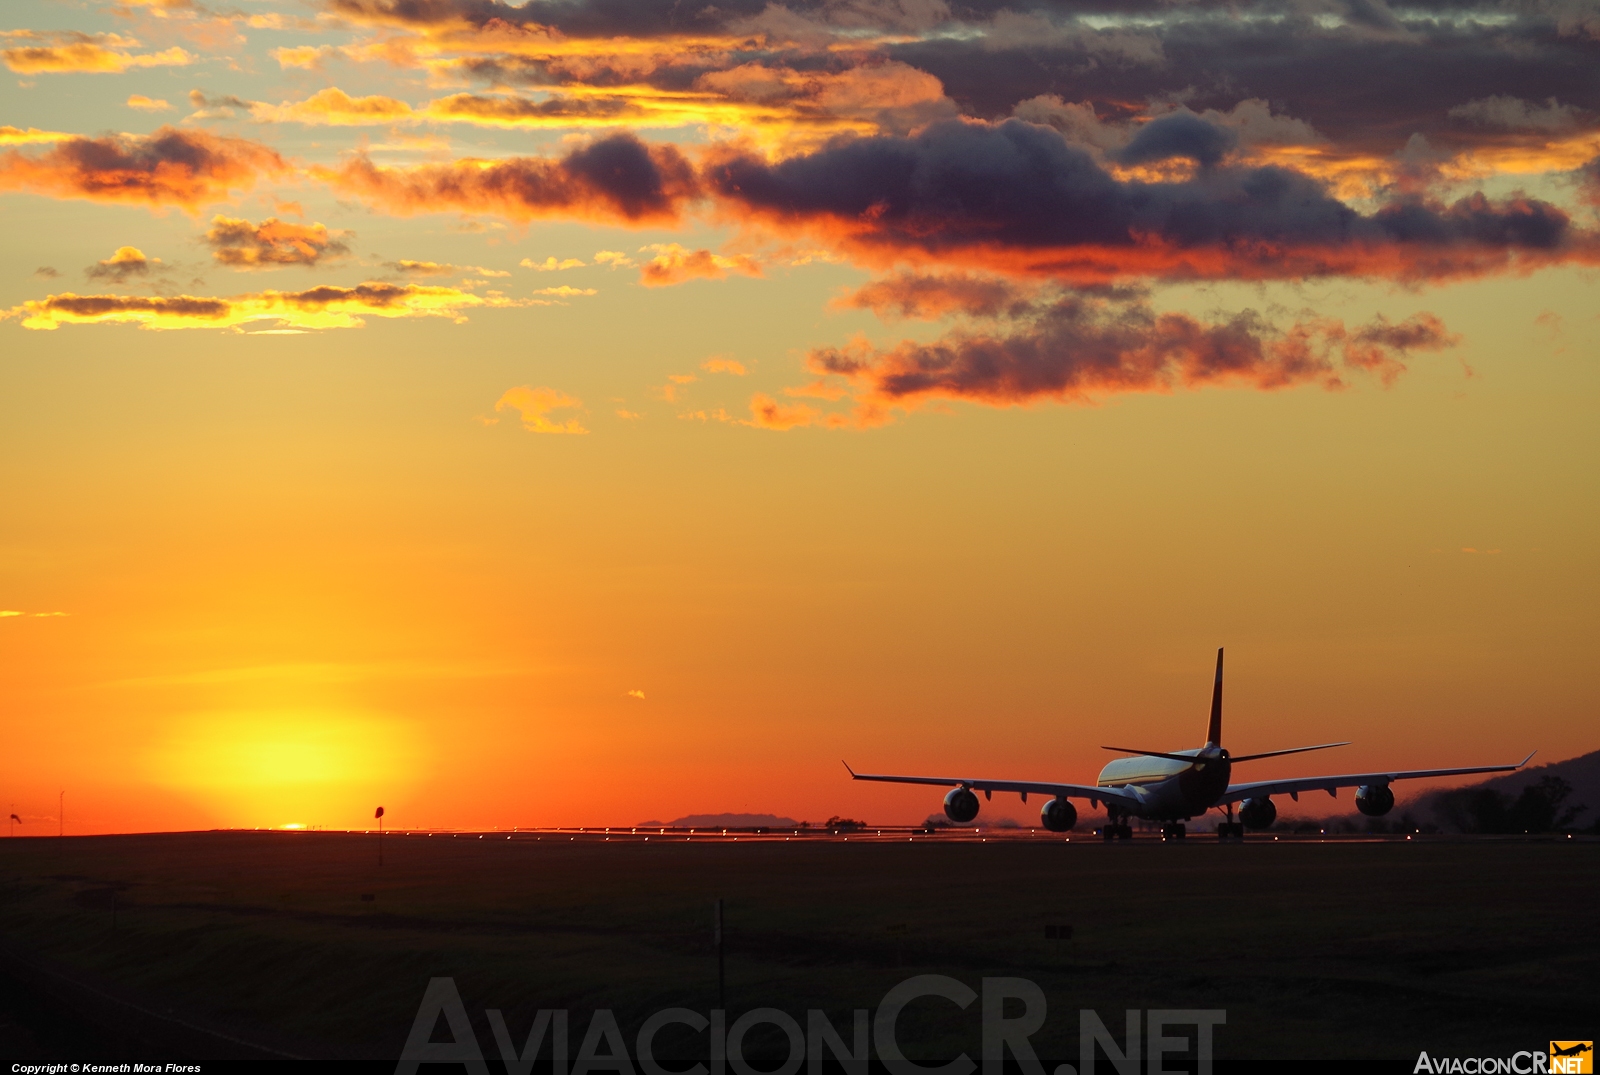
[(1295, 785), (1114, 796)]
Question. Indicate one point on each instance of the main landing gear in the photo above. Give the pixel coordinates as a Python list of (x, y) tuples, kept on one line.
[(1230, 831), (1174, 831), (1116, 828)]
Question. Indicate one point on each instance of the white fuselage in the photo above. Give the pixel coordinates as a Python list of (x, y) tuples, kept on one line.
[(1167, 788)]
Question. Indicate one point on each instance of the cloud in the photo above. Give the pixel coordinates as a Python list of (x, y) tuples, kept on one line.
[(617, 179), (12, 613), (1589, 182), (673, 264), (147, 104), (535, 405), (1018, 197), (768, 413), (635, 694), (929, 296), (1364, 76), (723, 365), (614, 258), (566, 292), (127, 261), (1182, 134), (309, 57), (421, 268), (410, 267), (550, 264), (219, 106), (676, 383), (333, 106), (1515, 114), (314, 308), (271, 244), (169, 167), (1081, 347), (46, 272), (17, 136), (83, 53)]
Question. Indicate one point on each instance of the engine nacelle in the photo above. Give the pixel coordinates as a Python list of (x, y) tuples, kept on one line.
[(1374, 800), (1258, 813), (960, 806), (1058, 815)]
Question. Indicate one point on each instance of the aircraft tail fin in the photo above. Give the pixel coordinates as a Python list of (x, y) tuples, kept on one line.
[(1214, 729)]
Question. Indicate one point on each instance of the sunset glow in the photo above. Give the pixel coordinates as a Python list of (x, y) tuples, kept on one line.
[(590, 414)]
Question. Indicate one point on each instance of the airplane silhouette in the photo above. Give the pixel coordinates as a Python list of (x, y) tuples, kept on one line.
[(1174, 787), (1572, 1050)]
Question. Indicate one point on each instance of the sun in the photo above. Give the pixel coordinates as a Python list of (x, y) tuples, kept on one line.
[(254, 766)]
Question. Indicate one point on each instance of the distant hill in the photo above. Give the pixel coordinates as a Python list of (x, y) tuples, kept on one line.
[(1582, 772), (724, 821)]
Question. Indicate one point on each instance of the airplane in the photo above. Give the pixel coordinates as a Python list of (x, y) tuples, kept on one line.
[(1177, 786)]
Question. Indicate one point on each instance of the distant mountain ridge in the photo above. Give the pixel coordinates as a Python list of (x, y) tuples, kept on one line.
[(1582, 772), (724, 821)]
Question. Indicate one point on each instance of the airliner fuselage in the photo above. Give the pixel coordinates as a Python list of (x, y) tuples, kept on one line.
[(1167, 789)]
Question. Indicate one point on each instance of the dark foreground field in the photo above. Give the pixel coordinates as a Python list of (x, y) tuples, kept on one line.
[(240, 945)]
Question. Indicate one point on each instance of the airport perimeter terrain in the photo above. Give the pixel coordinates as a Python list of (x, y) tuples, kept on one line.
[(262, 944)]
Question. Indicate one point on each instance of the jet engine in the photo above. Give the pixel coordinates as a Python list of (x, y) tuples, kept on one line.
[(1374, 800), (960, 806), (1058, 815), (1258, 813)]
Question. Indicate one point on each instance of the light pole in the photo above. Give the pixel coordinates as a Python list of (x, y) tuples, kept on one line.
[(379, 816)]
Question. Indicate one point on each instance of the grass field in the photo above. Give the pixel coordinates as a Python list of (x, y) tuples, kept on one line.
[(1351, 950)]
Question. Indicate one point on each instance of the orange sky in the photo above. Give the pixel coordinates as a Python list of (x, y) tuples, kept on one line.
[(356, 452)]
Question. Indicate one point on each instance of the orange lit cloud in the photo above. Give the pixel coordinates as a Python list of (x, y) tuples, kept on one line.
[(313, 308), (169, 167), (534, 407), (673, 265), (17, 136), (304, 56), (86, 55), (550, 264), (240, 244), (575, 107), (147, 104), (724, 365), (440, 268), (929, 297), (1080, 348), (615, 180), (127, 261), (768, 413), (334, 106)]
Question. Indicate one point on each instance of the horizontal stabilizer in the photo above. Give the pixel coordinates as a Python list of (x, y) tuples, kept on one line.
[(1291, 750), (1155, 754)]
